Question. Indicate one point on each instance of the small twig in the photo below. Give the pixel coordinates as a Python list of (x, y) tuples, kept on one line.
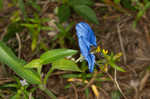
[(19, 42), (75, 90), (144, 80), (146, 29), (147, 34), (5, 81), (115, 81), (121, 44), (100, 5), (30, 95), (117, 84), (45, 7), (136, 93), (142, 58), (101, 89)]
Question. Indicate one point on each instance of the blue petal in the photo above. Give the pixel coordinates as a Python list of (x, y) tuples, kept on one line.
[(86, 38), (84, 47), (85, 51), (91, 61), (85, 31)]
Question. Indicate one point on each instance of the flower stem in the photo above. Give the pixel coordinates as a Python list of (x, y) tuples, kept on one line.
[(47, 91), (47, 75)]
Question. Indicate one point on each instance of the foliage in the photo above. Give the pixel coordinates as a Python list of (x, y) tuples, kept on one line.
[(9, 58), (64, 34), (27, 73), (29, 18), (20, 90), (35, 26), (133, 5), (1, 4), (81, 7)]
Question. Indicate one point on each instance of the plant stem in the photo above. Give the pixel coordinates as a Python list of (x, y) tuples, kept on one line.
[(47, 75), (47, 91)]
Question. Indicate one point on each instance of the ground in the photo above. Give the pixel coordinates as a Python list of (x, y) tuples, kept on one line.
[(115, 33)]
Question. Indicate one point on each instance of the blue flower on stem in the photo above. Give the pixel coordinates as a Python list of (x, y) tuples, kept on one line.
[(86, 39)]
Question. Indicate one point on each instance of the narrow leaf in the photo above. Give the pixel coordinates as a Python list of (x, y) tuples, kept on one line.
[(1, 4), (63, 13), (12, 29), (34, 64), (115, 95), (86, 12), (117, 67), (117, 1), (9, 58), (56, 54), (64, 64), (34, 5), (22, 8), (80, 2)]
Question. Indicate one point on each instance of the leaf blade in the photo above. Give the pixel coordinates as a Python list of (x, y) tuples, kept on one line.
[(33, 64), (63, 13), (9, 58), (86, 12), (64, 64), (56, 54)]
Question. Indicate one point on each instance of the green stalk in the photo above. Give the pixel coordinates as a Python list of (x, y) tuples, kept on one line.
[(47, 91), (47, 75)]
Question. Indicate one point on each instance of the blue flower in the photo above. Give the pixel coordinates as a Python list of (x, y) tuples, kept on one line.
[(86, 39)]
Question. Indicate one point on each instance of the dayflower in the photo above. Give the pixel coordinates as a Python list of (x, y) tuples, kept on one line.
[(23, 82), (86, 39)]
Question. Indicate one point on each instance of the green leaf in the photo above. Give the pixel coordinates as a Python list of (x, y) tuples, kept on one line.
[(33, 64), (128, 4), (29, 25), (148, 68), (34, 5), (64, 64), (115, 95), (22, 8), (16, 96), (117, 1), (80, 2), (47, 28), (146, 1), (34, 34), (68, 28), (140, 14), (12, 29), (116, 67), (87, 92), (72, 76), (43, 20), (9, 85), (86, 12), (9, 58), (63, 13), (1, 4), (56, 54)]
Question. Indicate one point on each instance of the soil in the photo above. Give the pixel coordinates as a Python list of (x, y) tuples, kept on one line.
[(115, 33)]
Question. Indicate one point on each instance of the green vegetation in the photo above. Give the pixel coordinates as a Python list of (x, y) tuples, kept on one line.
[(60, 51)]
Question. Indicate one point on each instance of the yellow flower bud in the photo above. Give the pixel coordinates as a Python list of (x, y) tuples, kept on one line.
[(98, 49)]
